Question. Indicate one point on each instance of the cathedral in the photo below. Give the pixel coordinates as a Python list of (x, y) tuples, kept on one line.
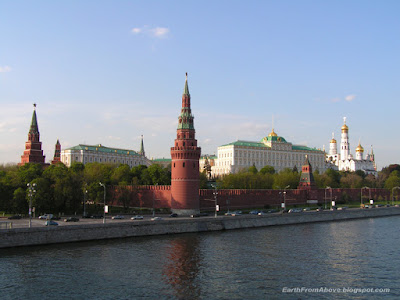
[(344, 161)]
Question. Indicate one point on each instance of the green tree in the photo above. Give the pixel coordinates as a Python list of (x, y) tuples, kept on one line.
[(267, 170)]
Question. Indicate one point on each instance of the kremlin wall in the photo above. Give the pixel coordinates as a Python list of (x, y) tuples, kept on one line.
[(184, 197)]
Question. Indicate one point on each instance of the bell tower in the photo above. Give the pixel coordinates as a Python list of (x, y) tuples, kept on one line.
[(185, 157)]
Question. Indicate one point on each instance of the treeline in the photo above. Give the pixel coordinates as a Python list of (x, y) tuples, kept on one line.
[(267, 178), (62, 189)]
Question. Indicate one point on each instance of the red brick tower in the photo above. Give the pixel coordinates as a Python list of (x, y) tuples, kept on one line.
[(57, 153), (33, 147), (306, 177), (185, 157)]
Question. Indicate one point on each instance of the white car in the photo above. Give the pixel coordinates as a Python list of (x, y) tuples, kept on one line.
[(46, 217), (137, 218), (156, 219), (118, 217)]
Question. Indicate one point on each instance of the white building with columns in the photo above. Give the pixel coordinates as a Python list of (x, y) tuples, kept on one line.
[(344, 161), (272, 150)]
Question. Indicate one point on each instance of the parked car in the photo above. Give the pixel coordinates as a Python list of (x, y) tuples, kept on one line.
[(137, 217), (51, 223), (306, 209), (342, 208), (97, 217), (195, 216), (71, 219), (173, 215), (254, 212), (237, 213), (261, 213), (118, 217), (15, 217), (46, 217), (156, 219), (295, 210)]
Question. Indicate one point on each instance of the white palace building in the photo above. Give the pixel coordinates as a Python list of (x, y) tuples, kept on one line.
[(344, 161), (272, 150)]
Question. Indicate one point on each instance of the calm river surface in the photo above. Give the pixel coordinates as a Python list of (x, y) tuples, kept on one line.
[(240, 264)]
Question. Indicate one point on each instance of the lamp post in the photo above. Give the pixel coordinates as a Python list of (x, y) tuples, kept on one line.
[(396, 187), (365, 187), (284, 195), (154, 199), (84, 200), (31, 192), (215, 193), (328, 187), (104, 210)]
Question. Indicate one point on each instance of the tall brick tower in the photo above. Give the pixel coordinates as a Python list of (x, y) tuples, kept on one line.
[(33, 147), (306, 177), (57, 153), (185, 163)]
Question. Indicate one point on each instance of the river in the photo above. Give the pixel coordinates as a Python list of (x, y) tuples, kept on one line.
[(307, 261)]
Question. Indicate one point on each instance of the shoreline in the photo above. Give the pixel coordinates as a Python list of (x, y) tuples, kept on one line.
[(19, 237)]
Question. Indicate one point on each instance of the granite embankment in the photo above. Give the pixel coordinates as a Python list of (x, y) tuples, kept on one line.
[(63, 234)]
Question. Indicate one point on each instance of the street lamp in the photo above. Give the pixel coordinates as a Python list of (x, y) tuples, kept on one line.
[(365, 187), (104, 210), (215, 193), (84, 200), (328, 187), (396, 187), (31, 192), (154, 198)]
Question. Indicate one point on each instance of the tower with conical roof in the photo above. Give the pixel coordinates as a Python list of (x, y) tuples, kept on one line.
[(57, 153), (306, 177), (33, 147), (141, 151), (185, 157)]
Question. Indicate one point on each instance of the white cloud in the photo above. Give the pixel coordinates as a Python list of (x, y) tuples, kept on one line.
[(136, 30), (157, 32), (5, 69), (350, 98)]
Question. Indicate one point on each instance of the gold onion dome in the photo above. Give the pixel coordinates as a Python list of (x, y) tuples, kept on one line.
[(333, 141), (272, 133), (345, 128), (359, 148)]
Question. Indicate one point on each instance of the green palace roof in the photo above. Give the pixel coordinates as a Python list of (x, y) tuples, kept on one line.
[(262, 145), (161, 159), (101, 148)]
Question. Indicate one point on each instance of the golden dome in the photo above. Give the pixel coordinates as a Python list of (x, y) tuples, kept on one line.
[(359, 148), (345, 128), (333, 141), (272, 133)]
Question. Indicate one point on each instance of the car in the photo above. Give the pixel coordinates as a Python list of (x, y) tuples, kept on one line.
[(228, 214), (320, 209), (173, 215), (261, 213), (342, 208), (71, 219), (306, 209), (254, 212), (55, 218), (272, 211), (295, 210), (46, 217), (379, 205), (137, 217), (15, 217), (236, 213), (195, 216), (118, 217), (156, 219), (97, 217), (51, 223)]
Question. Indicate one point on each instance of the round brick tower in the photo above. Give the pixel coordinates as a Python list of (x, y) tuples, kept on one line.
[(185, 157)]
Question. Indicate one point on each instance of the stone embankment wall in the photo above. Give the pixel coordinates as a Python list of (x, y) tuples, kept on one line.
[(75, 233)]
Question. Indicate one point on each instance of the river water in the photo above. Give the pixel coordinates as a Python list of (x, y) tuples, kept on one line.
[(285, 262)]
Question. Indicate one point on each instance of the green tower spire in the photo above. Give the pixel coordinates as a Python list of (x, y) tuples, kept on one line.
[(34, 125), (186, 89)]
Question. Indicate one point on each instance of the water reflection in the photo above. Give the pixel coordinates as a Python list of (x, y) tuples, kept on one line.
[(182, 267)]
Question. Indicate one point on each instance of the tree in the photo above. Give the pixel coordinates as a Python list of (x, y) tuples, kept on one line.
[(121, 174), (267, 170), (253, 169)]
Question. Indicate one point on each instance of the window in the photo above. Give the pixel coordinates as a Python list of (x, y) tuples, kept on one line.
[(183, 164), (174, 165)]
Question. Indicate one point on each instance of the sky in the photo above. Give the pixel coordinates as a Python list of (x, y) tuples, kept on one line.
[(107, 72)]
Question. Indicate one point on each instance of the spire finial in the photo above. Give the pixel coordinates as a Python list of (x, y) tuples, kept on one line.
[(333, 135), (344, 120), (34, 106)]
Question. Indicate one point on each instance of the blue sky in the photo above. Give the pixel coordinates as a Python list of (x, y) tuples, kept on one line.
[(109, 71)]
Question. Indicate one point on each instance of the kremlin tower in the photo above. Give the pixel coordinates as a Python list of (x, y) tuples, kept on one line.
[(185, 157), (57, 153), (306, 177), (33, 147)]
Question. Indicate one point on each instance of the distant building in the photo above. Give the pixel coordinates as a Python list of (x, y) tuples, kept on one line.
[(344, 161), (33, 147), (272, 150), (57, 153), (101, 154)]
